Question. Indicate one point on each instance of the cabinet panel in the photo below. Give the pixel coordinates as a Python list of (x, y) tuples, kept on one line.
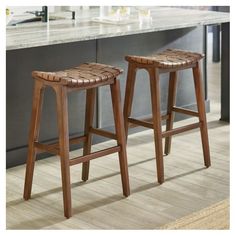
[(19, 89), (113, 50)]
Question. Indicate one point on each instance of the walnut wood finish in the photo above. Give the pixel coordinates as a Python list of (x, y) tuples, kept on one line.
[(147, 122), (171, 61), (185, 111), (120, 132), (103, 133), (143, 123), (90, 103), (33, 137), (62, 116), (129, 93), (156, 113), (94, 155), (54, 147), (51, 148), (87, 76), (202, 114), (180, 129), (170, 112)]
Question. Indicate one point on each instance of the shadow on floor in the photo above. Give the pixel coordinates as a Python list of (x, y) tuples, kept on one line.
[(54, 219)]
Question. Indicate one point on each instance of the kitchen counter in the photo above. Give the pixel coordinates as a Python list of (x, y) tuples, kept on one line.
[(66, 43), (37, 34)]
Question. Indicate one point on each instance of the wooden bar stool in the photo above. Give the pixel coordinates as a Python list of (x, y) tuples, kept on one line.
[(87, 76), (171, 60)]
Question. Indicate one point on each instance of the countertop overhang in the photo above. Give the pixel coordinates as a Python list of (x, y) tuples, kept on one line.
[(84, 28)]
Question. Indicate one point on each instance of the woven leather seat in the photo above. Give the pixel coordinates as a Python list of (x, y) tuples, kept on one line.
[(87, 74), (170, 58)]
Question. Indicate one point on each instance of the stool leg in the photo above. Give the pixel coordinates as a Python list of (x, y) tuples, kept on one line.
[(119, 126), (62, 116), (129, 93), (156, 113), (90, 101), (202, 114), (170, 104), (33, 136)]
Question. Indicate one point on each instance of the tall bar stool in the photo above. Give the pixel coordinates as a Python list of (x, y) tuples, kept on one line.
[(87, 76), (171, 61)]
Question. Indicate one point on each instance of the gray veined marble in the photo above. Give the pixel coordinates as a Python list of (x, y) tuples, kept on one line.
[(85, 28)]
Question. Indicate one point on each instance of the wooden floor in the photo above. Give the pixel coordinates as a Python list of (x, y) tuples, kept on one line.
[(99, 204)]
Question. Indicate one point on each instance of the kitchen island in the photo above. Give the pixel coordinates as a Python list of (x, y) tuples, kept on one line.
[(66, 43)]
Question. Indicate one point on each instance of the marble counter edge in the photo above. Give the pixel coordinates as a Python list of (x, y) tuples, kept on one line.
[(177, 21), (118, 34)]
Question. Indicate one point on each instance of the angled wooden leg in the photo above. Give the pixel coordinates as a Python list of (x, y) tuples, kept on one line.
[(129, 93), (156, 113), (90, 102), (33, 136), (119, 126), (202, 114), (170, 104), (62, 116)]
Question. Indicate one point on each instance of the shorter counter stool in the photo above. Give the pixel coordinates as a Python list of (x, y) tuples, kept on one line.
[(87, 76), (171, 61)]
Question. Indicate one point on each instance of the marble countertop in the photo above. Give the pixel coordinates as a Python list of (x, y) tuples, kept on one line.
[(84, 28)]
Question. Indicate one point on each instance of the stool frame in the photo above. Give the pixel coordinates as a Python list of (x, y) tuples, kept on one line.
[(61, 148), (155, 122)]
